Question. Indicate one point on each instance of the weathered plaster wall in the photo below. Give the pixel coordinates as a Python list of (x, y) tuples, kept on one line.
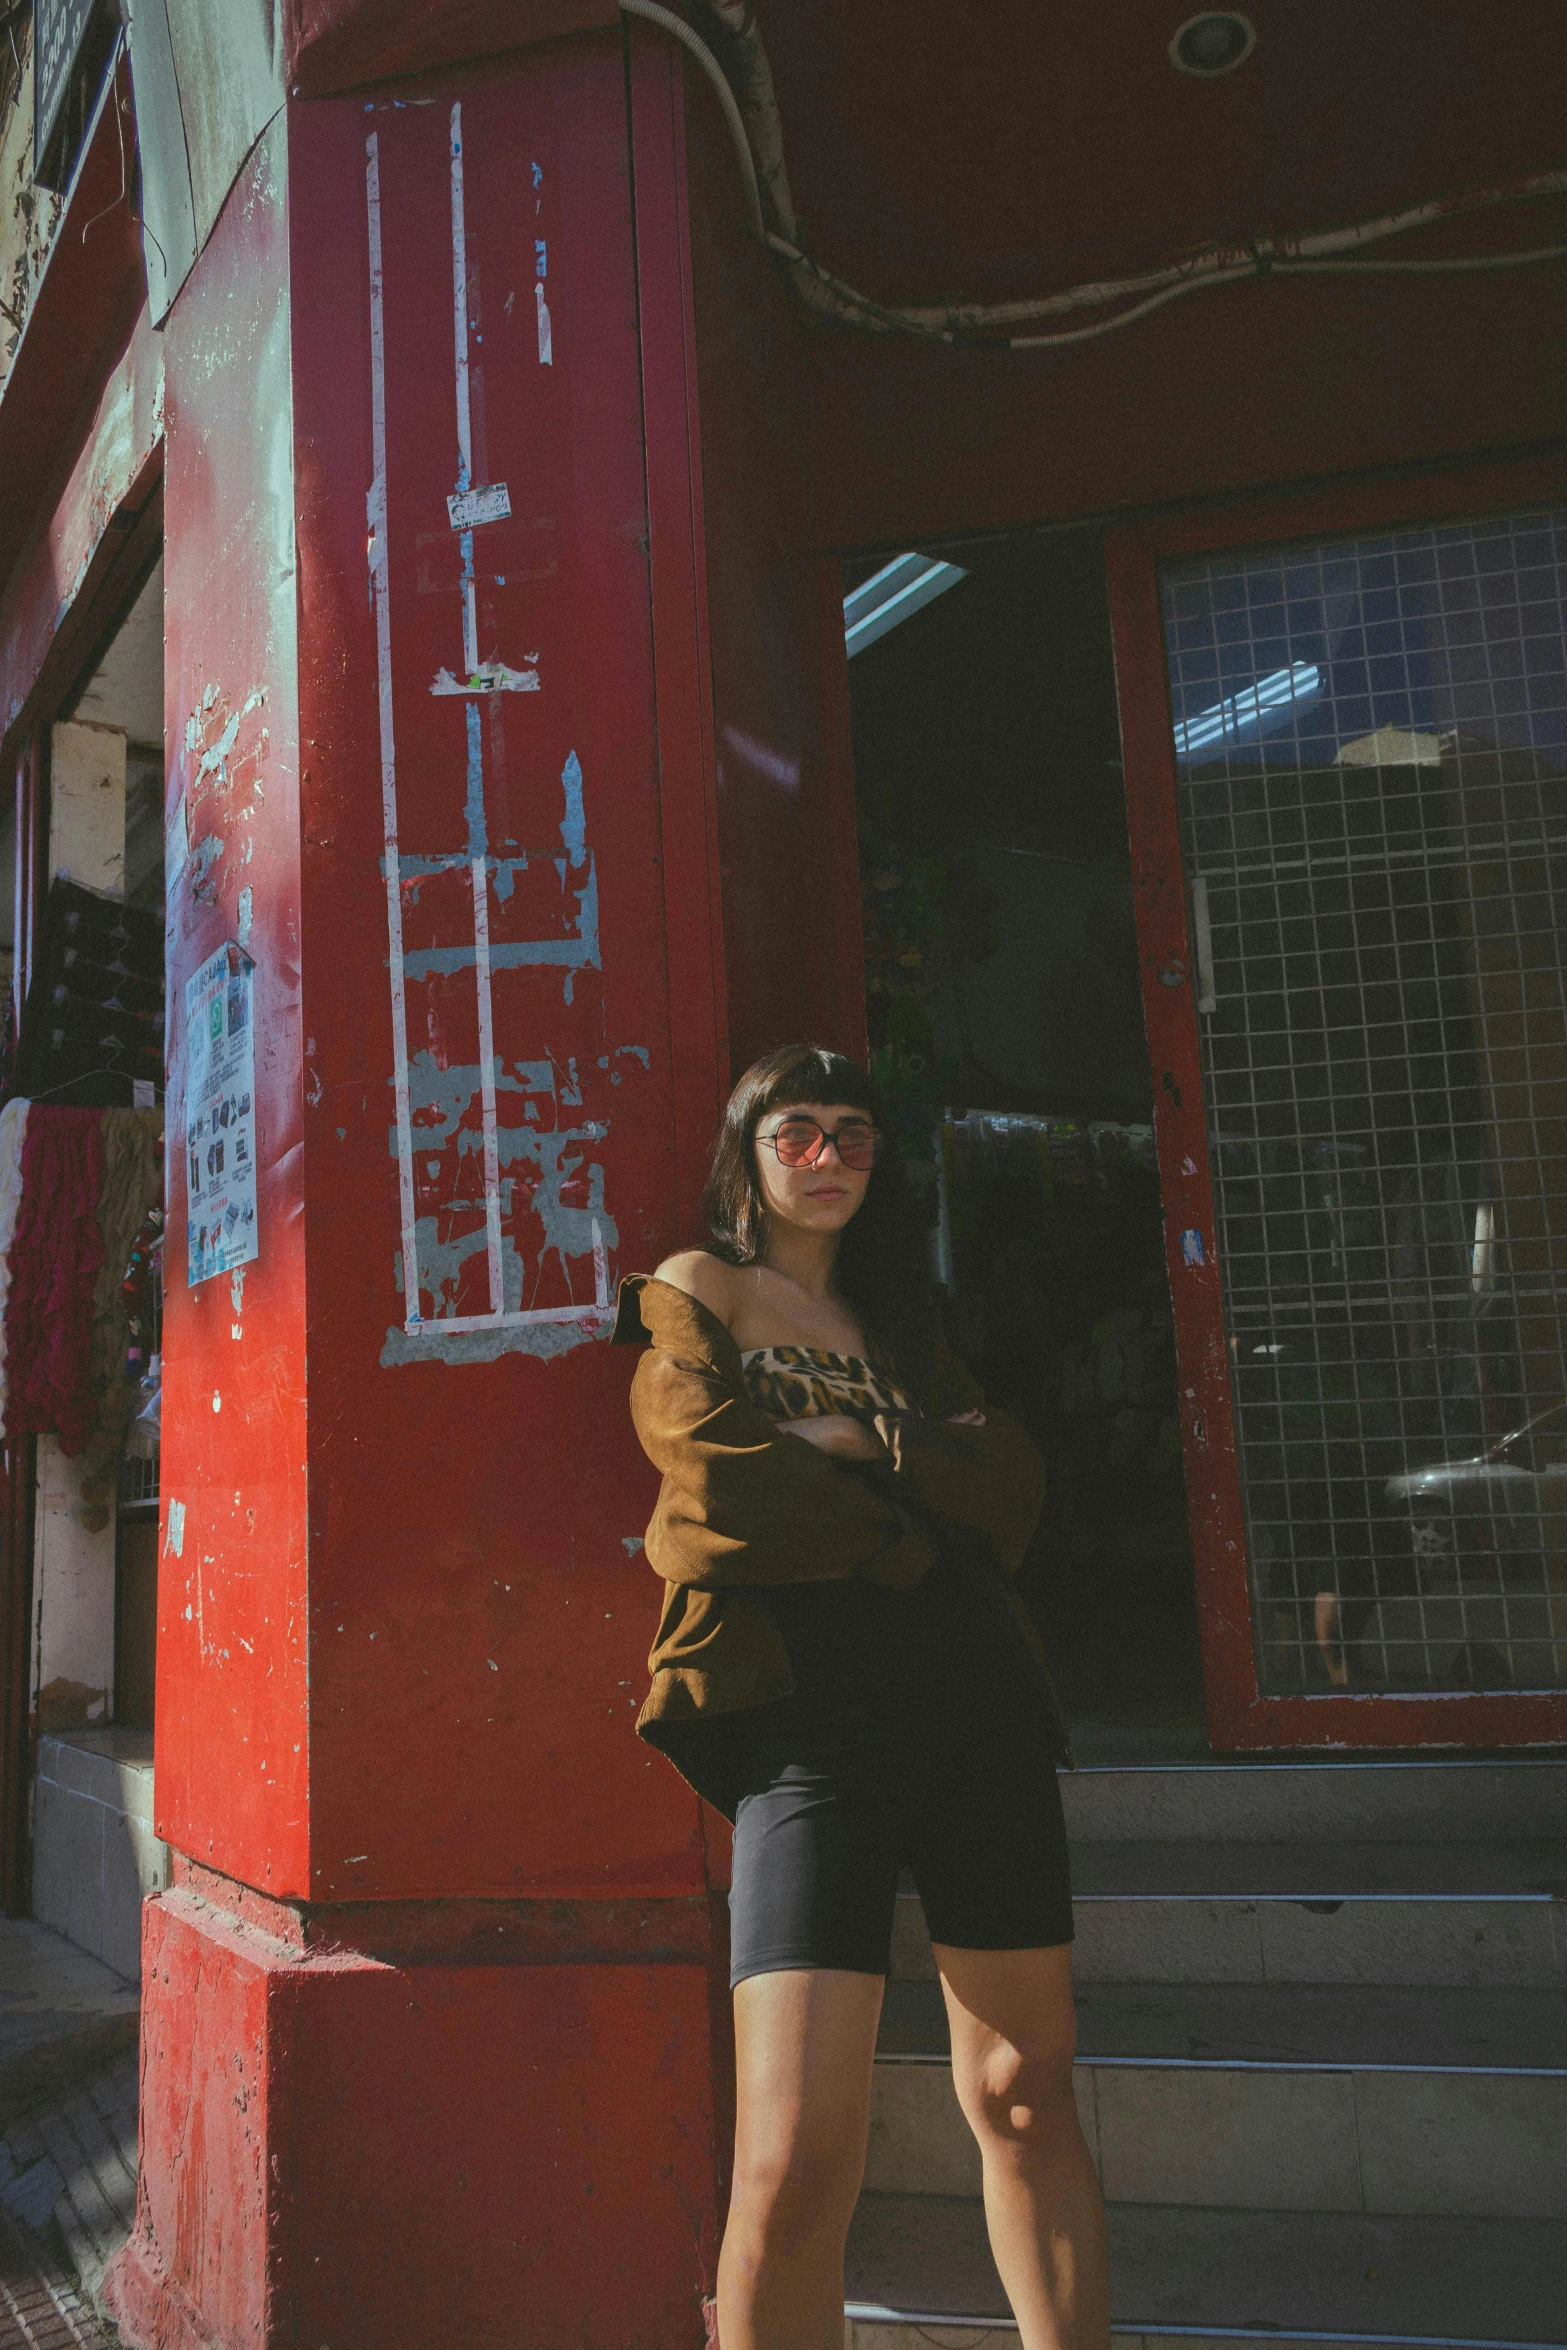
[(116, 467), (87, 806), (28, 213)]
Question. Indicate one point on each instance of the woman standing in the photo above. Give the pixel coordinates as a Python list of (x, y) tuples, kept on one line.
[(841, 1667)]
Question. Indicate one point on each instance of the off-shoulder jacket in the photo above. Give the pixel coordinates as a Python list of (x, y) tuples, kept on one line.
[(743, 1507)]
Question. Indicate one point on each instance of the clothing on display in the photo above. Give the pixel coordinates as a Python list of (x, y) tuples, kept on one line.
[(76, 1186)]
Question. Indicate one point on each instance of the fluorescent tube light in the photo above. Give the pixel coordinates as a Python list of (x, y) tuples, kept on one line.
[(901, 587), (1275, 692)]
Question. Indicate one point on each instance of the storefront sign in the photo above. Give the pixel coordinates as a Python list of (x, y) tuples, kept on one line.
[(220, 1114)]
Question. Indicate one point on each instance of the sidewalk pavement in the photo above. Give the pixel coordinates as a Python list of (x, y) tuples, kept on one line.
[(68, 2031)]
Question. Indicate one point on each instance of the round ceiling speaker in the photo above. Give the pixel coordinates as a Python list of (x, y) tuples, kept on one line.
[(1216, 42)]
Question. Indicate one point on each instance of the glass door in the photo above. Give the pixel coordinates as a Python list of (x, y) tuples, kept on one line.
[(1347, 776)]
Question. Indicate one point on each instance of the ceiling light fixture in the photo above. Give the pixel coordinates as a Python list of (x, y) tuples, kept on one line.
[(900, 589), (1296, 684), (1213, 43)]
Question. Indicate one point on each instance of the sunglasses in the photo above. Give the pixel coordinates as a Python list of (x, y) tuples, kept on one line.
[(799, 1142)]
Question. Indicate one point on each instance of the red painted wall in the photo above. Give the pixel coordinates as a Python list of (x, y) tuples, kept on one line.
[(476, 1500), (340, 2148), (404, 1618), (779, 682), (1252, 385), (469, 1519), (232, 1741), (1241, 389)]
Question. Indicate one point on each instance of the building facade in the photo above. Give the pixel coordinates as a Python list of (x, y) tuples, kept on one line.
[(502, 477)]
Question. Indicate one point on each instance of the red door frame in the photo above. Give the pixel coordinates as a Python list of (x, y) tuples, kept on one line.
[(1239, 1715)]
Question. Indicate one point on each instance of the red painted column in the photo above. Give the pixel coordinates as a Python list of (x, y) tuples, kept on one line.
[(428, 2039)]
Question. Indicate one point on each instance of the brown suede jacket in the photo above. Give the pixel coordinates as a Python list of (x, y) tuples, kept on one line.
[(743, 1506)]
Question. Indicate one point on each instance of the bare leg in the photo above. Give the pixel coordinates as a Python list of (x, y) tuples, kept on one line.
[(804, 2045), (1014, 2034)]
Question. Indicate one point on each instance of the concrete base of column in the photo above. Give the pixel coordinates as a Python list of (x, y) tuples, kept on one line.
[(496, 2126)]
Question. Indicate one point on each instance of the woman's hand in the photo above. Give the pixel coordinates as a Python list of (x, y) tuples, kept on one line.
[(840, 1434)]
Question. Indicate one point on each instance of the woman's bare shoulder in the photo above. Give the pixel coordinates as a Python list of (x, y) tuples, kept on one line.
[(702, 1276)]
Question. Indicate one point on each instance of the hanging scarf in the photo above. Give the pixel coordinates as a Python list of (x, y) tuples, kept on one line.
[(55, 1257)]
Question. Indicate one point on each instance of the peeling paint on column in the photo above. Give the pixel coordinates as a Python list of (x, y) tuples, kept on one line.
[(212, 732), (506, 1234)]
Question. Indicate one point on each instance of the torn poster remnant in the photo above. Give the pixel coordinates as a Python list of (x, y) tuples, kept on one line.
[(220, 1115)]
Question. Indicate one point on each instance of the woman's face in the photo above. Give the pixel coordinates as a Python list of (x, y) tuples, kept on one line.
[(821, 1197)]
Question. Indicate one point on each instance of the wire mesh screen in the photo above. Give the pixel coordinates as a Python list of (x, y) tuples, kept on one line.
[(1371, 742)]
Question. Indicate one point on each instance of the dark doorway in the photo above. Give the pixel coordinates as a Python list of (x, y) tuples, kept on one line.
[(1006, 1028)]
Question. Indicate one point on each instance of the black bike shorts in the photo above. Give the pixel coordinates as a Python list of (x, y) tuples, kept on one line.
[(835, 1810)]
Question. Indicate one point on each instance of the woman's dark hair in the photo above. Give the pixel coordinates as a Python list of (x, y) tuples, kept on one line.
[(882, 1267)]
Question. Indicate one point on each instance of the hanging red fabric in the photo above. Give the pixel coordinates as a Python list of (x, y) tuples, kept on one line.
[(55, 1258)]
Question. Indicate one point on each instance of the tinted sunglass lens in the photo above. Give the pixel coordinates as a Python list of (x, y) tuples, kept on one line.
[(857, 1146), (797, 1145)]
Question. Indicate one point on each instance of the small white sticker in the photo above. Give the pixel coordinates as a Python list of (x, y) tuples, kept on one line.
[(144, 1094), (468, 508)]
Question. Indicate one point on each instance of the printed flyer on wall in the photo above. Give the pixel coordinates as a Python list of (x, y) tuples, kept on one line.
[(220, 1114)]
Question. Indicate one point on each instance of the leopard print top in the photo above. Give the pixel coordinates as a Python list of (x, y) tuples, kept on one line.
[(808, 1383)]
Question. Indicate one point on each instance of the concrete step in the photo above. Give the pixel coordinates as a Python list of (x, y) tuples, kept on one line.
[(1292, 2098), (1237, 2275), (1376, 1800), (1293, 2023), (1481, 1914)]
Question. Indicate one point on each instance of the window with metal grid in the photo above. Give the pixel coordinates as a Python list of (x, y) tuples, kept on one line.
[(1371, 746)]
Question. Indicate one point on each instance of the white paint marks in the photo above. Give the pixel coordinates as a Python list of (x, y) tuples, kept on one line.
[(217, 1400), (214, 759), (375, 506), (492, 1163), (546, 339), (247, 912), (630, 1544), (470, 509), (470, 617), (174, 1536), (567, 1228)]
